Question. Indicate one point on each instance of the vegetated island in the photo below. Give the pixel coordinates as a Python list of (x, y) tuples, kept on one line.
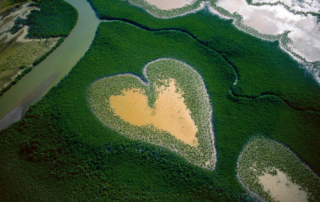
[(257, 61), (275, 173), (171, 110), (29, 32), (74, 156)]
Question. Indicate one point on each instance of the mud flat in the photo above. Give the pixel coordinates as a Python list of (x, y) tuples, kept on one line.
[(17, 52), (275, 173), (171, 110), (58, 63), (300, 33), (169, 114), (170, 4), (7, 22), (295, 5), (170, 8), (20, 51), (281, 188)]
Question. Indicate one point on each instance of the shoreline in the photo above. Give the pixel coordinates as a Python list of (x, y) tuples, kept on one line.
[(21, 39), (290, 153), (19, 111), (237, 22)]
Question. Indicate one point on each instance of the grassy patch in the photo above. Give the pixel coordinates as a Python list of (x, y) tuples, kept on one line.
[(71, 142), (195, 98), (262, 67), (262, 155), (16, 55), (61, 133), (54, 19)]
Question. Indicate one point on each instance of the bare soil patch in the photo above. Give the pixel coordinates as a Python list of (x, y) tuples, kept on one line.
[(170, 4), (281, 188), (170, 113)]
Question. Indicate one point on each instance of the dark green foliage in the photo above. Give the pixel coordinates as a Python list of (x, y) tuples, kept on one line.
[(17, 1), (73, 143), (17, 26), (23, 66), (262, 66), (56, 18), (62, 134)]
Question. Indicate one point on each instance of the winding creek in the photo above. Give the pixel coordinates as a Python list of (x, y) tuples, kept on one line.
[(33, 86)]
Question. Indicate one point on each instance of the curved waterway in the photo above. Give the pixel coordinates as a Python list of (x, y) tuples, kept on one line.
[(32, 87)]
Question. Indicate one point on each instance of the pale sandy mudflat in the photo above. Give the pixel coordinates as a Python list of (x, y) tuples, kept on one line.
[(281, 188), (296, 5), (273, 20), (170, 113), (170, 4)]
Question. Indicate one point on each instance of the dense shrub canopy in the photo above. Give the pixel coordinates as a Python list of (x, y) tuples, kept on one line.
[(272, 97), (56, 18)]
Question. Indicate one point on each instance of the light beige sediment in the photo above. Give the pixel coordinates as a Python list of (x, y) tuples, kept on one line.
[(170, 113)]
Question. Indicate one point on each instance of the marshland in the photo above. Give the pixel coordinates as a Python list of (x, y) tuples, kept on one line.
[(241, 95)]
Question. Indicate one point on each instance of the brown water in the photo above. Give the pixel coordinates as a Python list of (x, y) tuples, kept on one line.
[(170, 113), (57, 65)]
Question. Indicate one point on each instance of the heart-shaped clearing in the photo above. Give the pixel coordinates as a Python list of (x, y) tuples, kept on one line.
[(172, 110), (169, 114)]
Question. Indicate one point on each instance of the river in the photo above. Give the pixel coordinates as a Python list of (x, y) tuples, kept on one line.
[(33, 86)]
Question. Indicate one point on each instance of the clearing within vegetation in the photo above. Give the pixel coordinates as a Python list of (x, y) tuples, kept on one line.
[(169, 4), (15, 56), (169, 8), (297, 32), (281, 188), (61, 135), (172, 110), (275, 173), (169, 113), (256, 61)]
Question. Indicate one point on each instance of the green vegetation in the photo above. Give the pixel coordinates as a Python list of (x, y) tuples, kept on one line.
[(262, 67), (195, 98), (11, 2), (74, 146), (261, 156), (62, 134), (27, 70), (56, 18)]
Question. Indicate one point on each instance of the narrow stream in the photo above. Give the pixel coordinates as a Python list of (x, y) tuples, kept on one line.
[(32, 87)]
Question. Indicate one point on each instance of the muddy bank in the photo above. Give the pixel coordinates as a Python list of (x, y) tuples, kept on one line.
[(59, 62), (303, 29), (17, 113)]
